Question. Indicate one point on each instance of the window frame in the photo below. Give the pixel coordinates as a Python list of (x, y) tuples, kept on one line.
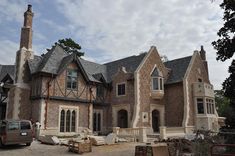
[(117, 89), (160, 80), (73, 120), (71, 77), (202, 102), (210, 106)]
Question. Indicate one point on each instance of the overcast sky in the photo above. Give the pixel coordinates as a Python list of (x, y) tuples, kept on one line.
[(109, 30)]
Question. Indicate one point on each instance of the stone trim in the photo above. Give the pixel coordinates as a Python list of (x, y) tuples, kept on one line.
[(65, 107), (161, 109), (120, 83), (186, 94), (136, 111), (116, 108)]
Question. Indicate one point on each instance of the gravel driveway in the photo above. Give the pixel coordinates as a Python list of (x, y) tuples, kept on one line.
[(38, 149)]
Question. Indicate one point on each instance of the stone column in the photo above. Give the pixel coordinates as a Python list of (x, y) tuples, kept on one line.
[(143, 134), (163, 132)]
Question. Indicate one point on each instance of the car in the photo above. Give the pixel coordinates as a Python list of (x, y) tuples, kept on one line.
[(16, 132)]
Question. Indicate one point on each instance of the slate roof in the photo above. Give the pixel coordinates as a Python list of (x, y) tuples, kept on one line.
[(177, 68), (92, 69), (7, 69), (55, 60), (130, 63), (34, 63)]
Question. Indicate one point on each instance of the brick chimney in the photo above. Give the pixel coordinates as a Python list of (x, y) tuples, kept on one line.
[(25, 52), (19, 95), (26, 30), (203, 56)]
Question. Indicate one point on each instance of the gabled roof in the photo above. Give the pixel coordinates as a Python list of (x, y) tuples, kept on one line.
[(7, 69), (130, 63), (93, 69), (55, 60), (178, 68), (34, 63), (51, 60)]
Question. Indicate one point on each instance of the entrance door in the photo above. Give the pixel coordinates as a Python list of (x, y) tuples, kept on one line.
[(155, 120), (122, 118)]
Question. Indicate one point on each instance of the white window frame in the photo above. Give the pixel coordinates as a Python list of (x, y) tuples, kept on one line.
[(71, 108), (159, 78), (117, 89)]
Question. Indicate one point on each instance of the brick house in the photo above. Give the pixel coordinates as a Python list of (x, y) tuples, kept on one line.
[(67, 94)]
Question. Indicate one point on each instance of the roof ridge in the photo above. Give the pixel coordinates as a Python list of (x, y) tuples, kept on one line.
[(125, 58), (90, 61), (178, 59)]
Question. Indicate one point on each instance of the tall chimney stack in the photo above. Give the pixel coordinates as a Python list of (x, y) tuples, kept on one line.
[(203, 56), (26, 30)]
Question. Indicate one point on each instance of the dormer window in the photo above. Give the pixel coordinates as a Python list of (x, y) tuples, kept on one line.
[(72, 79), (157, 80)]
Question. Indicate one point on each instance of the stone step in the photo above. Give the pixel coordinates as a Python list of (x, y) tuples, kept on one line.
[(153, 135)]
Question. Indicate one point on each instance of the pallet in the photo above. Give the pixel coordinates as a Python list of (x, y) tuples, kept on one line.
[(79, 147)]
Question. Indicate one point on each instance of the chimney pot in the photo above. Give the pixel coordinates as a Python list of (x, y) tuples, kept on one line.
[(29, 8)]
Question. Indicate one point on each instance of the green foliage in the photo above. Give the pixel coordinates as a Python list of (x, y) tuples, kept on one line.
[(225, 47), (222, 102), (229, 83), (70, 46)]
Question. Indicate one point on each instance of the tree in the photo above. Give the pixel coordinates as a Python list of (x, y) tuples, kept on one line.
[(225, 47), (222, 102), (70, 46)]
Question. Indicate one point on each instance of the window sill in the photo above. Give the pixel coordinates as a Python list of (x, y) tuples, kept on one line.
[(157, 94), (120, 95)]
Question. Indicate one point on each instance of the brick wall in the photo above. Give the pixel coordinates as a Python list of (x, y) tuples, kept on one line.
[(53, 112), (129, 98), (174, 107), (145, 84), (58, 86)]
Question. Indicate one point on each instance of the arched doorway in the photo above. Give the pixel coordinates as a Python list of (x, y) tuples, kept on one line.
[(155, 120), (122, 118)]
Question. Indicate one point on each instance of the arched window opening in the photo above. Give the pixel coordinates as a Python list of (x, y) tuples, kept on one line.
[(68, 121), (73, 121), (62, 116)]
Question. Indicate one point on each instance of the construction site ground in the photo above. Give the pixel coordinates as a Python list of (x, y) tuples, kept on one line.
[(38, 149)]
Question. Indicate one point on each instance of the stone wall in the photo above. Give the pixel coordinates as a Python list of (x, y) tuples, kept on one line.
[(197, 71)]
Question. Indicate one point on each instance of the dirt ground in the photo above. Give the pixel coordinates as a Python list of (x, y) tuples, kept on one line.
[(38, 149)]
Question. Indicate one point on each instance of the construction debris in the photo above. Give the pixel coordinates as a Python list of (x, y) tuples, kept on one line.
[(111, 139), (97, 140), (49, 139), (80, 147)]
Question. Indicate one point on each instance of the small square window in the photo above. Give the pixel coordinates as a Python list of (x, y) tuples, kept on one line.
[(121, 89)]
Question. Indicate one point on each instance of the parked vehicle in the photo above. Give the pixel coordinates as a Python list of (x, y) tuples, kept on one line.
[(16, 132)]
